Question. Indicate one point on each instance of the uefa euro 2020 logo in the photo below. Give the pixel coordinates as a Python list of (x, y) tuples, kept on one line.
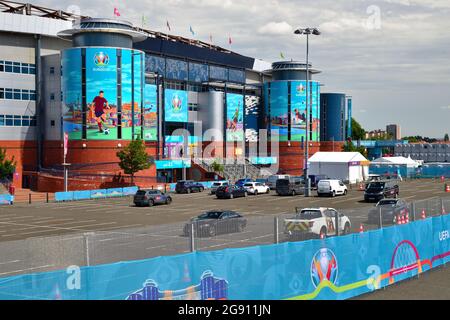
[(324, 266), (101, 59), (177, 103)]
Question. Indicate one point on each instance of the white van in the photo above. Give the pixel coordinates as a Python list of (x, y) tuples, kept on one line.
[(272, 180), (331, 188)]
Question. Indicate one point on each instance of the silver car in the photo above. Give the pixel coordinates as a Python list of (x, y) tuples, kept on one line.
[(217, 185)]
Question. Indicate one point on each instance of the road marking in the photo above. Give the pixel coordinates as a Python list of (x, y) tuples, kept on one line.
[(9, 262), (28, 269), (348, 199)]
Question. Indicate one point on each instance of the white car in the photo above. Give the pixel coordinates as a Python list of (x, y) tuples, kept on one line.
[(316, 222), (331, 188), (256, 188)]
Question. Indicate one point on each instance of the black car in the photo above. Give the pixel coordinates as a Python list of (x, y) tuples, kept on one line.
[(376, 191), (216, 222), (390, 210), (231, 192), (150, 198), (290, 187), (188, 186)]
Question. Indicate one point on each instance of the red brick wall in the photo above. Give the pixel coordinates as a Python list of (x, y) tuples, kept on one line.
[(24, 153)]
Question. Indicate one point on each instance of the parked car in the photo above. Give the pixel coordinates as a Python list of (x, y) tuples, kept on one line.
[(218, 184), (390, 209), (150, 198), (315, 222), (272, 180), (315, 179), (331, 188), (188, 186), (256, 188), (212, 223), (231, 192), (291, 186), (241, 182), (375, 191)]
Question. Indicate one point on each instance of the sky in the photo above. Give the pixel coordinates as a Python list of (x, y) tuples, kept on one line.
[(391, 56)]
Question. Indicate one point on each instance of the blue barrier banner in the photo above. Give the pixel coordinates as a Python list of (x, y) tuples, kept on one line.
[(117, 192), (6, 199), (63, 196), (81, 195), (130, 191), (334, 268), (99, 194)]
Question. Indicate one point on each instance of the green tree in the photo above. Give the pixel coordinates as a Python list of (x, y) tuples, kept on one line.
[(134, 158), (350, 147), (358, 132), (7, 167), (217, 166), (446, 138)]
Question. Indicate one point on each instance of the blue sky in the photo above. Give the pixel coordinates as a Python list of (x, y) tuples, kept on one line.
[(392, 56)]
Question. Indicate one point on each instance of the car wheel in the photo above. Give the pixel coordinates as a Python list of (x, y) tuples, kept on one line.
[(256, 192), (334, 194), (188, 191), (293, 193), (240, 227), (323, 233), (246, 194), (345, 192), (202, 189), (346, 229), (212, 231), (231, 196), (268, 191), (168, 200), (151, 203)]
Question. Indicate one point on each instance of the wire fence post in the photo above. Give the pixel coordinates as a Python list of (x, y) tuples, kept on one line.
[(86, 249), (276, 230), (192, 238)]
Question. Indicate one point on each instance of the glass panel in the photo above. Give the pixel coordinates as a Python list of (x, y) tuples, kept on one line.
[(17, 121), (16, 67), (236, 75), (2, 120), (9, 121), (218, 73), (198, 72), (8, 94), (176, 69), (155, 64), (17, 94)]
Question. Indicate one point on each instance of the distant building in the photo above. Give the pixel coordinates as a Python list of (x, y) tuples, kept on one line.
[(375, 134), (393, 130)]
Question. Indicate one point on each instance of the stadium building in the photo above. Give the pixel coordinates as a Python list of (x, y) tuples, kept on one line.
[(104, 82)]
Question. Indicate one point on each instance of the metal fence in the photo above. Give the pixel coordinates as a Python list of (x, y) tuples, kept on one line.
[(102, 247)]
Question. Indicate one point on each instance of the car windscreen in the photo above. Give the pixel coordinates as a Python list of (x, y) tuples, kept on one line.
[(153, 192), (376, 186), (309, 214), (216, 184), (248, 185), (210, 215), (387, 203), (141, 193)]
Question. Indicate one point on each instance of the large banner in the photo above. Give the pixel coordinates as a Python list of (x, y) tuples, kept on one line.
[(235, 117), (279, 108), (176, 105), (150, 113), (72, 97), (101, 93), (334, 268), (252, 106)]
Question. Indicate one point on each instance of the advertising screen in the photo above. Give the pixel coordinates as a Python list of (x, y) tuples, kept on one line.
[(279, 109), (176, 105), (127, 98), (235, 117), (252, 104), (101, 93), (72, 97), (299, 112), (150, 113)]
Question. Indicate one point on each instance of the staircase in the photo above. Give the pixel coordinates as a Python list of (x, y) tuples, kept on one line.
[(234, 172)]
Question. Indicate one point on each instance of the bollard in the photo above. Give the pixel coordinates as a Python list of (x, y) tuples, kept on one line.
[(29, 198), (413, 209), (276, 231), (47, 197), (380, 222)]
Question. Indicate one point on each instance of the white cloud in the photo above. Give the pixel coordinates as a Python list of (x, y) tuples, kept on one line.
[(276, 28)]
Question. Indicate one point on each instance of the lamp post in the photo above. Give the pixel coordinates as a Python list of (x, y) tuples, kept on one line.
[(307, 32)]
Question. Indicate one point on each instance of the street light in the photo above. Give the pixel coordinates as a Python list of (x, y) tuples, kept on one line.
[(307, 32)]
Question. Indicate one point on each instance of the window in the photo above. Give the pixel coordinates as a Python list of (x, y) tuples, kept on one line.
[(16, 67), (9, 121), (8, 94), (2, 93), (33, 121), (17, 94), (8, 66), (17, 121), (25, 68), (52, 70), (52, 123), (2, 66), (2, 120), (52, 96), (26, 121), (25, 94), (33, 95), (32, 69)]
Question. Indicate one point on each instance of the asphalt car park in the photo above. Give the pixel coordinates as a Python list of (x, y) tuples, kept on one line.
[(118, 231)]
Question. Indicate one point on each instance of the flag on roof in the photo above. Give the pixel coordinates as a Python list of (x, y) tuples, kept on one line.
[(116, 12), (230, 41), (168, 25), (191, 30)]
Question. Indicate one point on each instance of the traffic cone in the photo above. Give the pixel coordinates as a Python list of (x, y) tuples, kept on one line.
[(322, 236), (407, 218), (447, 188), (361, 229), (424, 214), (361, 187)]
